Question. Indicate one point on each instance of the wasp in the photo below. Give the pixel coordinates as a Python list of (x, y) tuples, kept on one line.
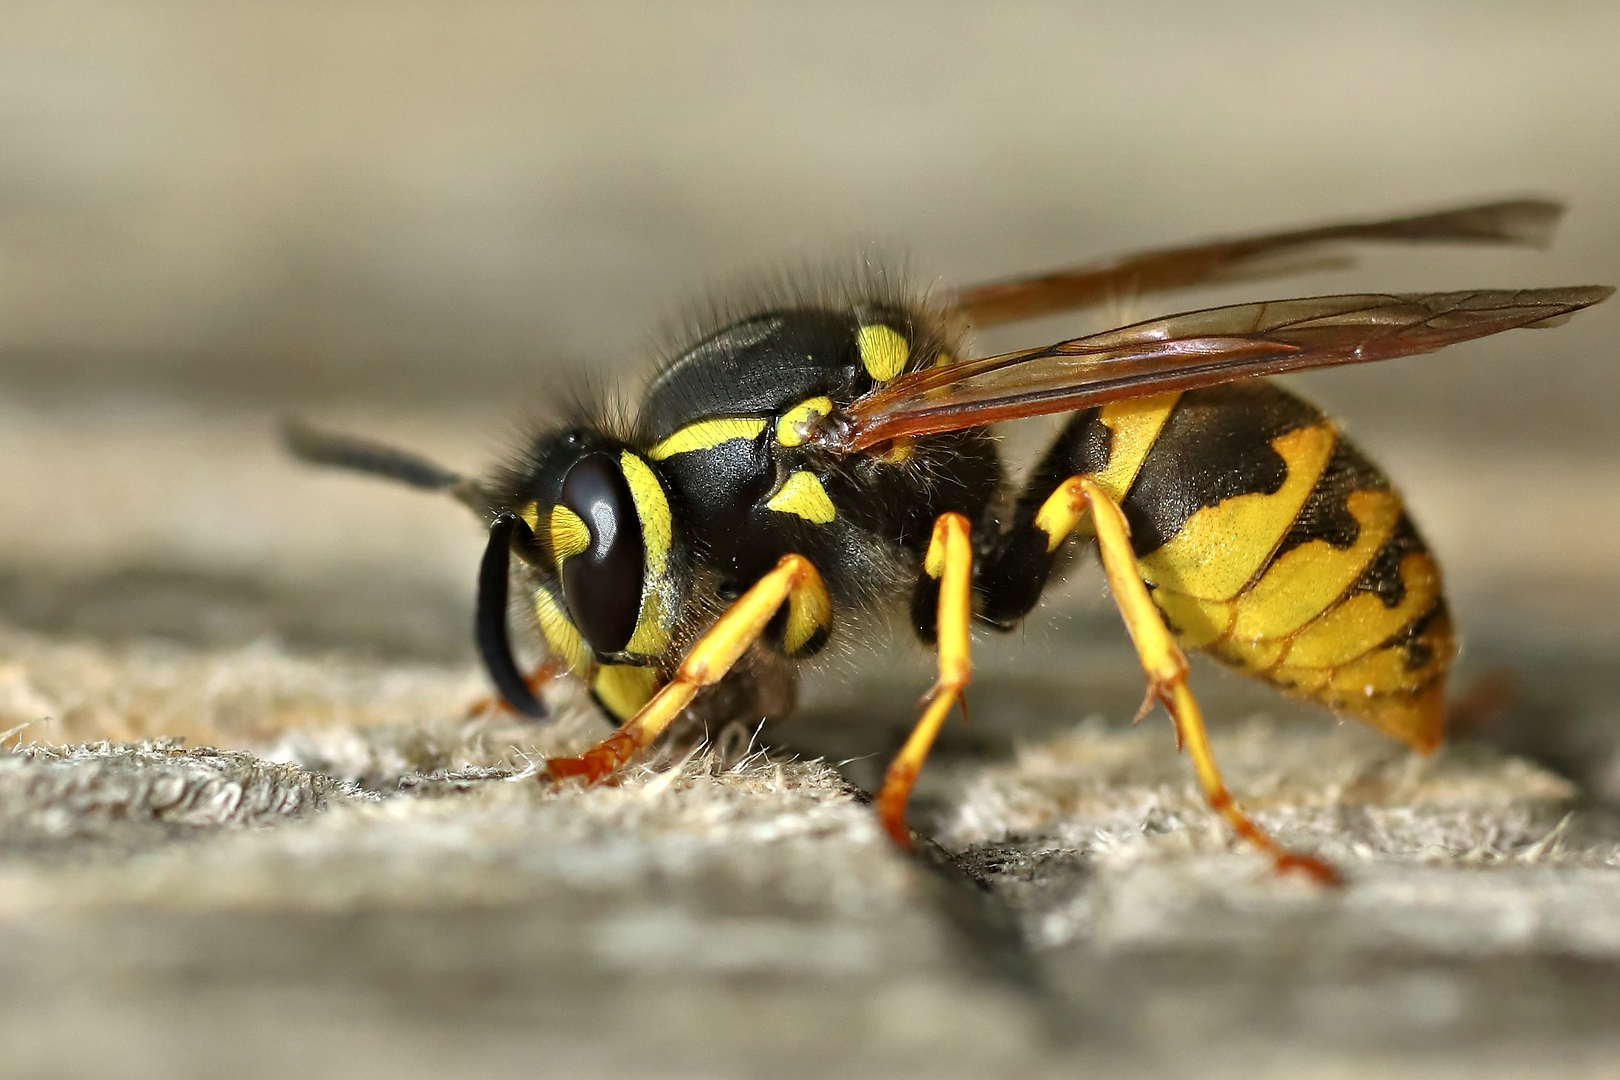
[(803, 464)]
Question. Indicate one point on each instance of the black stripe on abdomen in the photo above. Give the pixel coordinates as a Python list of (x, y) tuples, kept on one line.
[(1215, 445)]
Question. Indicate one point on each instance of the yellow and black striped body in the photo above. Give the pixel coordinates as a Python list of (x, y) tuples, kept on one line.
[(1267, 540), (806, 463), (1270, 542)]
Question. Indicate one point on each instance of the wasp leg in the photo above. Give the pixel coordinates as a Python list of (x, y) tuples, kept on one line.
[(949, 561), (794, 581), (1162, 659)]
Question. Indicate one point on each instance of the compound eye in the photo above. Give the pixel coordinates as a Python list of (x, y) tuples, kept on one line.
[(602, 582)]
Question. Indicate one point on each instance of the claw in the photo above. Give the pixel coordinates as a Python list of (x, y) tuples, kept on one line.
[(1317, 870), (1153, 697), (596, 764)]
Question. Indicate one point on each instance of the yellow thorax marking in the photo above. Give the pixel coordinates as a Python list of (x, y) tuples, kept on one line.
[(1217, 551), (1135, 425), (625, 689), (790, 429), (898, 453), (707, 434), (803, 495), (944, 359), (883, 351), (570, 535), (564, 640), (651, 636), (652, 507)]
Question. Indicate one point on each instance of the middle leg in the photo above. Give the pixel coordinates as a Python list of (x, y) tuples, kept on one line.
[(949, 563)]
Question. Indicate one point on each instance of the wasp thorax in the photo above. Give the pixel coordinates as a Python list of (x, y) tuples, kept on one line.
[(596, 539)]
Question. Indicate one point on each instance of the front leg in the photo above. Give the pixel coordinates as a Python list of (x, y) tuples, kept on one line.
[(794, 581)]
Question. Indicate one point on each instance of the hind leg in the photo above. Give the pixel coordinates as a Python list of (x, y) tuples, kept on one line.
[(1063, 512)]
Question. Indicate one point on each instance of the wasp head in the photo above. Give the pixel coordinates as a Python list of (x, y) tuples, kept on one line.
[(592, 521)]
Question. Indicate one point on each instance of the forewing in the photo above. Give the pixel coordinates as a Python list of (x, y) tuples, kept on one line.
[(1182, 352), (1521, 221)]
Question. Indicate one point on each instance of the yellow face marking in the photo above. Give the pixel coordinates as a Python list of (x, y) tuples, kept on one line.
[(1135, 424), (883, 351), (1218, 549), (651, 636), (809, 612), (706, 435), (652, 507), (1360, 622), (625, 689), (570, 535), (1304, 581), (531, 514), (790, 429), (564, 641), (1197, 622), (803, 495)]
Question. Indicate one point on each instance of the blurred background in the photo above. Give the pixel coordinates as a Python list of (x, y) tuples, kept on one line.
[(422, 221), (419, 220)]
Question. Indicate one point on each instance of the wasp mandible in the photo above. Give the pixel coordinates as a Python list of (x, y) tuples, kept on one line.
[(809, 459)]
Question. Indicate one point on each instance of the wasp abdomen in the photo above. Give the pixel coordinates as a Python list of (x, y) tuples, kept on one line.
[(1273, 544)]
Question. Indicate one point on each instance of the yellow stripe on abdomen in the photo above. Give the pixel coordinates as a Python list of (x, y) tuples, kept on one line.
[(1351, 617), (1303, 582), (1362, 620), (1219, 549)]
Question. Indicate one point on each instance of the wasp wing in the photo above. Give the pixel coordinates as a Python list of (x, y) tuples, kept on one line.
[(1182, 352), (1520, 221)]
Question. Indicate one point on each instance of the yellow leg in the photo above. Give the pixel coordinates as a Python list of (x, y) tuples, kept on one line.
[(950, 562), (1162, 659), (714, 654)]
